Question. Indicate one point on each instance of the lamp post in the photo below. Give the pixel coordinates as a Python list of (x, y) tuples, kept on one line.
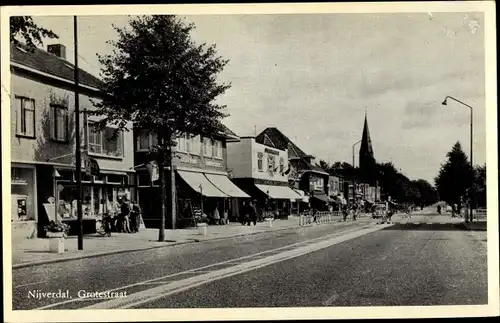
[(471, 193)]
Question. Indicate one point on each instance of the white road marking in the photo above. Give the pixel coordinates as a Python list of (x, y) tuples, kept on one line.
[(331, 299), (153, 294), (33, 283), (208, 266)]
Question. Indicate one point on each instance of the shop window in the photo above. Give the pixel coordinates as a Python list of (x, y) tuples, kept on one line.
[(59, 123), (25, 116), (22, 194), (108, 142)]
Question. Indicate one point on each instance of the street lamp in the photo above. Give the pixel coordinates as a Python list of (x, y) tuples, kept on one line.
[(471, 164)]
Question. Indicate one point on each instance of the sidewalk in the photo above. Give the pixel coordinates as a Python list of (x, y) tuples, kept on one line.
[(30, 252)]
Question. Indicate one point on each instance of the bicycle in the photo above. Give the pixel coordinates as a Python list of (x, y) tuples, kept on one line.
[(103, 226)]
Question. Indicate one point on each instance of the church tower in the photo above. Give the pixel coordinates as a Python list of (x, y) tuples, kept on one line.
[(367, 162)]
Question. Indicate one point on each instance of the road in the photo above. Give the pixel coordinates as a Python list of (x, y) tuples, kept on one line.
[(344, 264)]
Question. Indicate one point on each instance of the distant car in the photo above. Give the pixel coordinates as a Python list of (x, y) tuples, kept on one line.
[(447, 208)]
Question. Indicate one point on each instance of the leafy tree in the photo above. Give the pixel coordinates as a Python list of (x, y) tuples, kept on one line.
[(480, 185), (159, 80), (23, 29), (323, 164), (454, 178)]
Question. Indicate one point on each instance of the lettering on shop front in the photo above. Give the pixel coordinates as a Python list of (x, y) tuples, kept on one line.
[(189, 160), (272, 152), (213, 163)]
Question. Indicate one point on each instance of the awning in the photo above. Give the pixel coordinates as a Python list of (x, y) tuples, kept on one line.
[(278, 192), (303, 197), (201, 184), (336, 199), (321, 197), (225, 185)]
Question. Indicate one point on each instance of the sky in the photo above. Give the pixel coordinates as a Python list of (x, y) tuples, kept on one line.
[(314, 76)]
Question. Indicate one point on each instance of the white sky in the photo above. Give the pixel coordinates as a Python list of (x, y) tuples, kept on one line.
[(313, 75)]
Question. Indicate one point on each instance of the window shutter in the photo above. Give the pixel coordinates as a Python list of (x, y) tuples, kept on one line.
[(18, 114), (52, 122)]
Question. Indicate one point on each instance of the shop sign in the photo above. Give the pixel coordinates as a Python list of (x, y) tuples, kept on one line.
[(272, 152), (213, 163)]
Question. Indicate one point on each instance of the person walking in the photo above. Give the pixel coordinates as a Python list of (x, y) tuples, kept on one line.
[(216, 215), (125, 215), (135, 212), (252, 213), (439, 208)]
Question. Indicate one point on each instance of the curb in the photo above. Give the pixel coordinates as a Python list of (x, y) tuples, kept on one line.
[(101, 254)]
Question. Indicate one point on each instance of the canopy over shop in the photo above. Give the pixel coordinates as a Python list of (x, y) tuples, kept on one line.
[(215, 192)]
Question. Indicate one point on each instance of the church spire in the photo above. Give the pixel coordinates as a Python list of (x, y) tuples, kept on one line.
[(366, 148), (367, 163)]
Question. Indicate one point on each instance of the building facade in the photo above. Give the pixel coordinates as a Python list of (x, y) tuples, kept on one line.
[(305, 175), (43, 144), (201, 179), (262, 171)]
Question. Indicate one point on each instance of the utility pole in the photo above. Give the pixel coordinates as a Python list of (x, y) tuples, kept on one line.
[(78, 140), (161, 174)]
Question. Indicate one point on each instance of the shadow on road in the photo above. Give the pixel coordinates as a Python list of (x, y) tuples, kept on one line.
[(437, 227)]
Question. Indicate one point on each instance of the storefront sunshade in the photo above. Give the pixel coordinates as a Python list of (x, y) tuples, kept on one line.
[(303, 197), (336, 199), (201, 184), (278, 192), (322, 197), (225, 185)]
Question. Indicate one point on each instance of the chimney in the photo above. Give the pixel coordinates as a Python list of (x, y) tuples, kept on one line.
[(57, 49)]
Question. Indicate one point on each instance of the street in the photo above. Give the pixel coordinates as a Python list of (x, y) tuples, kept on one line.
[(431, 260)]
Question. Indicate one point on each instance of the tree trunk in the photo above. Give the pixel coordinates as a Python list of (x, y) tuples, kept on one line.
[(170, 191), (161, 173)]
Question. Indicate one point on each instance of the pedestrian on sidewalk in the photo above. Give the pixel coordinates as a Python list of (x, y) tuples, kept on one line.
[(135, 214), (125, 215), (252, 213), (216, 215)]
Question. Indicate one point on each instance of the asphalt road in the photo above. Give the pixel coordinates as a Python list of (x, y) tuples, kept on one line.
[(406, 266), (400, 265), (114, 271)]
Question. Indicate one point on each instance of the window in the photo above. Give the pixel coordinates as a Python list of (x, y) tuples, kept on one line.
[(181, 143), (217, 149), (25, 116), (189, 143), (207, 147), (195, 147), (146, 140), (260, 165), (271, 162), (106, 142), (282, 165), (59, 122)]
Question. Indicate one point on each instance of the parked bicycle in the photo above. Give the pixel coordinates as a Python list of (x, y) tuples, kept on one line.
[(103, 225)]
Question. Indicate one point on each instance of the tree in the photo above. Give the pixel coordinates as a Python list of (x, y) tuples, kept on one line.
[(323, 164), (159, 80), (480, 185), (454, 178), (23, 29)]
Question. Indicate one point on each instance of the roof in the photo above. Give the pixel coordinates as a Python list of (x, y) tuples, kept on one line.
[(46, 62), (272, 136), (280, 141)]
